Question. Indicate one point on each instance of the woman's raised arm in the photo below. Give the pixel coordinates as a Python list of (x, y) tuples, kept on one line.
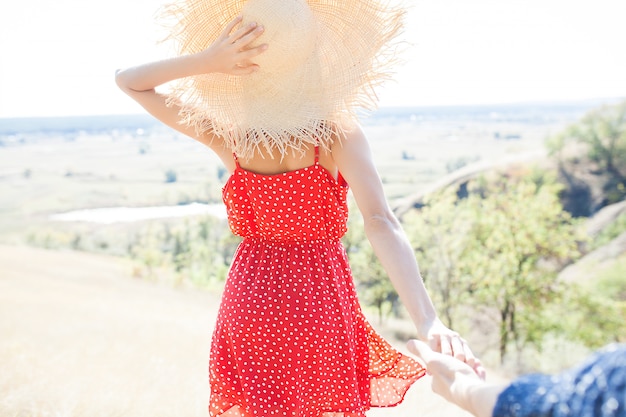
[(229, 54)]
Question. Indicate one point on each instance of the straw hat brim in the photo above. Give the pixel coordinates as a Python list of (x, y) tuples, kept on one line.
[(345, 51)]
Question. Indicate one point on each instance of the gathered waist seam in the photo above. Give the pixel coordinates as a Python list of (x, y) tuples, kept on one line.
[(289, 242)]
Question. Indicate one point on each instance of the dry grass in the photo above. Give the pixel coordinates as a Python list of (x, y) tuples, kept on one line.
[(82, 338), (79, 337)]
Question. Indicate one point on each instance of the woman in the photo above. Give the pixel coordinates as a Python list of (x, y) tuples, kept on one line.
[(273, 89)]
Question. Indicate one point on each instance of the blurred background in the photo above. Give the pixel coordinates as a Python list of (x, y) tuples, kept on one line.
[(502, 148)]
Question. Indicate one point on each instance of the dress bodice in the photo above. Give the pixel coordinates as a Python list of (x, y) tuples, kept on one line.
[(304, 204)]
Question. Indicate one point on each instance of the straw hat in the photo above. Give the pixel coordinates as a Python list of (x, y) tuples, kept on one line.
[(325, 58)]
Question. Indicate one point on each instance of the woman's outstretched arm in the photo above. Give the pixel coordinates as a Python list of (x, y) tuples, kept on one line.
[(392, 248), (229, 54)]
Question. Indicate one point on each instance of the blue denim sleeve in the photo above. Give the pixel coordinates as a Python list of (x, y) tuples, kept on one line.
[(597, 388)]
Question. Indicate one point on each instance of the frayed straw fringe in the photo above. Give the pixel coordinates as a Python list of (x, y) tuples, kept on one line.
[(351, 86), (248, 143)]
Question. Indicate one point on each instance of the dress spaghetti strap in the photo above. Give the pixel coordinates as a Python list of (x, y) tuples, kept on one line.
[(236, 160)]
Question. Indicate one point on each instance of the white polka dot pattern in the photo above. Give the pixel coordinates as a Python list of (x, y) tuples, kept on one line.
[(306, 204), (290, 338)]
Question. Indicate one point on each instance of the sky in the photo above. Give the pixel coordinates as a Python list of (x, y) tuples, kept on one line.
[(58, 58)]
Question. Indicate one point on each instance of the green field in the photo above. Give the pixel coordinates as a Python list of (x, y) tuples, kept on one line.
[(46, 174)]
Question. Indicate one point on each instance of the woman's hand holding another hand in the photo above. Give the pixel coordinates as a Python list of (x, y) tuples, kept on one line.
[(457, 382), (441, 339)]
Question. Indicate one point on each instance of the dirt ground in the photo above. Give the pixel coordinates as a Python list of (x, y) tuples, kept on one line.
[(80, 337)]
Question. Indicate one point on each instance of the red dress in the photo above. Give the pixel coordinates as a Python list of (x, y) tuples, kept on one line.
[(290, 338)]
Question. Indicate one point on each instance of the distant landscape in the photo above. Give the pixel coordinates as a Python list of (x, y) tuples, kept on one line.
[(531, 113), (101, 161)]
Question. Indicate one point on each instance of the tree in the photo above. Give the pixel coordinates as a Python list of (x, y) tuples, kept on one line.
[(438, 233), (521, 239), (602, 136), (199, 250), (375, 287), (503, 245)]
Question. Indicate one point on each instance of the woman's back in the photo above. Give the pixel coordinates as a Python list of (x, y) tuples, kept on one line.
[(271, 162), (286, 201)]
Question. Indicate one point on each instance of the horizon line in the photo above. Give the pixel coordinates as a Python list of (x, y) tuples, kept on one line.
[(539, 102)]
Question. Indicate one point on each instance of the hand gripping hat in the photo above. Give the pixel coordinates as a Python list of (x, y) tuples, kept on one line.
[(324, 60)]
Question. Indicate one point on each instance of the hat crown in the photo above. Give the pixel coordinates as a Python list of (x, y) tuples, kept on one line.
[(289, 30)]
